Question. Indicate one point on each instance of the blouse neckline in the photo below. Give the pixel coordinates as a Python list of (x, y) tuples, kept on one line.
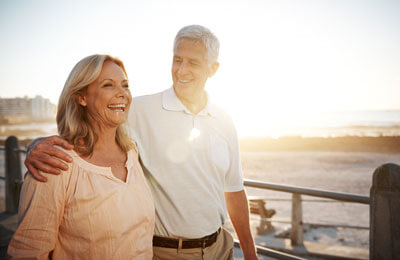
[(104, 170)]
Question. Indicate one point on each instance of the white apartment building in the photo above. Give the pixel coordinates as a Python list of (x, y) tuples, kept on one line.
[(35, 108)]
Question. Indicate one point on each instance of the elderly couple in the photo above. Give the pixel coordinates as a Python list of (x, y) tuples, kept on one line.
[(106, 204)]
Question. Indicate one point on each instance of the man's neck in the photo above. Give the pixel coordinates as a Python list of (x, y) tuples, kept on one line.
[(195, 103)]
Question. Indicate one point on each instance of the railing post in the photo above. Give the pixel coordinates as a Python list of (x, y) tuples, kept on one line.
[(13, 174), (385, 213), (296, 234)]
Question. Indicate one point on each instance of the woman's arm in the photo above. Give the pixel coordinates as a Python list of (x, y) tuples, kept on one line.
[(40, 213)]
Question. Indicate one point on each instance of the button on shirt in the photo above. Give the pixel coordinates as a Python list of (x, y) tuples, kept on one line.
[(189, 160)]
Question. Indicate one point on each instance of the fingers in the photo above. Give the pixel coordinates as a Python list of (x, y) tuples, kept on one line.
[(44, 167), (35, 173), (50, 161), (45, 150), (56, 140), (48, 153)]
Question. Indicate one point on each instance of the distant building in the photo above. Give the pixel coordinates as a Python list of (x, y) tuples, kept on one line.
[(37, 108), (41, 108)]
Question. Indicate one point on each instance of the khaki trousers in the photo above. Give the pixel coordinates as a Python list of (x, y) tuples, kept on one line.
[(222, 249)]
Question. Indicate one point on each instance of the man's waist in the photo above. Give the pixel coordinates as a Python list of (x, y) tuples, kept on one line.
[(184, 243)]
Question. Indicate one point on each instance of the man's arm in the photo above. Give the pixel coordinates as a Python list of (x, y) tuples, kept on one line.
[(43, 156), (238, 210)]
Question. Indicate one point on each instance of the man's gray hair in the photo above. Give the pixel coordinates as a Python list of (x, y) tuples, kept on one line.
[(203, 35)]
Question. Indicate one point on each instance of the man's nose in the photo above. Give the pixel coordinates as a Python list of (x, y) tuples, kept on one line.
[(183, 68)]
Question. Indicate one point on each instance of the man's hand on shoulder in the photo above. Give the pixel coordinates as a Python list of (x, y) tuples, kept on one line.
[(43, 156)]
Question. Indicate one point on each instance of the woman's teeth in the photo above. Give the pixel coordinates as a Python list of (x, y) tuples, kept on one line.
[(118, 107)]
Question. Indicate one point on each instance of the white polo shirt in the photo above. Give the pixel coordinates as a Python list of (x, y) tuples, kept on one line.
[(190, 161)]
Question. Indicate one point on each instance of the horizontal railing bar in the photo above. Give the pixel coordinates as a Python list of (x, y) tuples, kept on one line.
[(303, 200), (308, 191), (287, 221), (17, 150), (319, 224), (335, 225), (272, 253)]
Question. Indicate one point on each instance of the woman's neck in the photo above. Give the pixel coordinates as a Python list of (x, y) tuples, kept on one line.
[(106, 141)]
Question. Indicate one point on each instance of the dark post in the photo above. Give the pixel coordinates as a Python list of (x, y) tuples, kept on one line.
[(385, 213), (13, 174)]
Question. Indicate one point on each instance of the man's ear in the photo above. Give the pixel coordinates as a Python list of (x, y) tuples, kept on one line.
[(82, 100), (214, 68)]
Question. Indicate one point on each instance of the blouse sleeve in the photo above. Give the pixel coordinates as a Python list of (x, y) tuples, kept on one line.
[(40, 213)]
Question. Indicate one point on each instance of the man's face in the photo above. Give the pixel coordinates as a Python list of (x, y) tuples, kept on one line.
[(190, 69)]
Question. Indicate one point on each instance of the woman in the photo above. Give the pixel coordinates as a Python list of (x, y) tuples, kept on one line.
[(101, 208)]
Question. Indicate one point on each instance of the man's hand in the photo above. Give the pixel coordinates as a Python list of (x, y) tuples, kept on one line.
[(43, 156), (238, 210)]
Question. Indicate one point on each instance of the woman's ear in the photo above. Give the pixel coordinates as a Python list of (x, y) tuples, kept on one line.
[(82, 100)]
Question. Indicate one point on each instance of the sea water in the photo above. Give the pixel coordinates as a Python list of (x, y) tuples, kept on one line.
[(324, 124), (316, 124)]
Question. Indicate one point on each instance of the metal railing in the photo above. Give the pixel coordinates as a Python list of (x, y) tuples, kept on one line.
[(384, 209), (297, 224), (347, 197)]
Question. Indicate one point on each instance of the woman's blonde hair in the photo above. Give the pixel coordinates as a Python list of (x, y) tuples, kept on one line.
[(72, 119)]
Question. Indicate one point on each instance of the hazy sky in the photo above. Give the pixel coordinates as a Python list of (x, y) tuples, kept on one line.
[(279, 59)]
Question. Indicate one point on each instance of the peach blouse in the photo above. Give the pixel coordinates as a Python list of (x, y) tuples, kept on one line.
[(86, 213)]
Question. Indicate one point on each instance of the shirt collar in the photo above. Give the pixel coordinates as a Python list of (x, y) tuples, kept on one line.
[(172, 103)]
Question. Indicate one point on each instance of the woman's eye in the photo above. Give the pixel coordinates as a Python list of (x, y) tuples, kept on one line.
[(126, 86), (107, 85)]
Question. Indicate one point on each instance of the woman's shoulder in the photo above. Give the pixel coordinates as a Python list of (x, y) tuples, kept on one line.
[(133, 152), (71, 153), (78, 164)]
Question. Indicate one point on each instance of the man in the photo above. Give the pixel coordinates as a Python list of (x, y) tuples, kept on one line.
[(190, 154)]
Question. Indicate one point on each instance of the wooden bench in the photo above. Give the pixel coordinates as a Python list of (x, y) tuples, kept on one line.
[(257, 206)]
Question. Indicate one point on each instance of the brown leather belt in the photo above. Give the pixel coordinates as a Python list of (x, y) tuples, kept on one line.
[(186, 243)]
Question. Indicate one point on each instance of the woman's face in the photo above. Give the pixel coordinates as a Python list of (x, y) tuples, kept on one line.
[(108, 98)]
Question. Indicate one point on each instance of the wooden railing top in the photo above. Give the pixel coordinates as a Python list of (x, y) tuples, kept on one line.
[(348, 197)]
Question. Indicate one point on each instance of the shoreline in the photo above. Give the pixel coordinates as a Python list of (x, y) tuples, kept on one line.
[(370, 144)]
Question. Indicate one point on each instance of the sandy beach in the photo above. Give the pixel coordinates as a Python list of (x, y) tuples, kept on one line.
[(334, 164)]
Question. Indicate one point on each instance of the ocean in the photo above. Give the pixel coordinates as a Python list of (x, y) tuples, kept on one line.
[(317, 124), (326, 124)]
